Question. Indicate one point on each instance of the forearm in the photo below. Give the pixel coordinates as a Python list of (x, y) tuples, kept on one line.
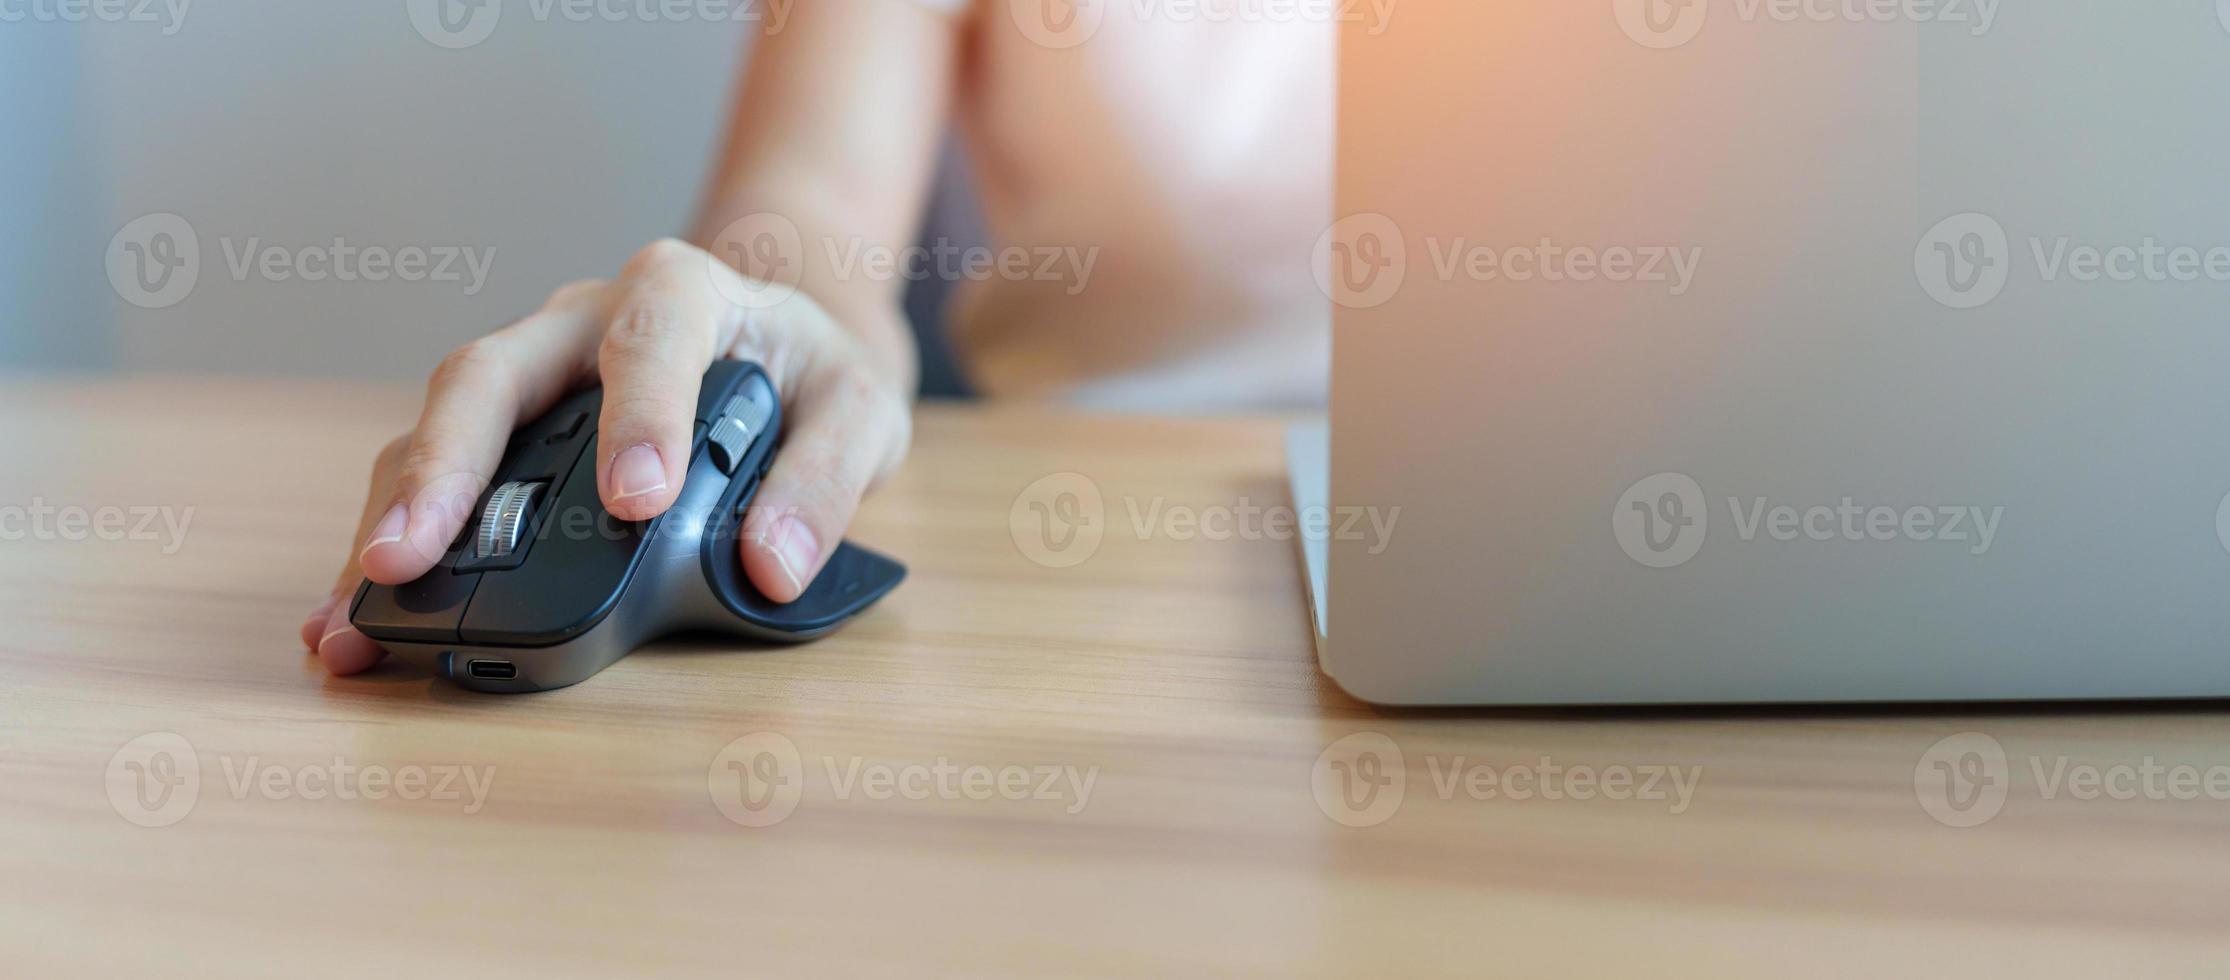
[(835, 129)]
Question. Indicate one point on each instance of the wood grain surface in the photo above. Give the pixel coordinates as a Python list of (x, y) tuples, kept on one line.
[(1157, 696)]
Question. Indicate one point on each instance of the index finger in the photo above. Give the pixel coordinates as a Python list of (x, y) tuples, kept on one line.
[(474, 401)]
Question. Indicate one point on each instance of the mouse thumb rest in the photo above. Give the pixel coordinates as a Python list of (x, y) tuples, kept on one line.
[(543, 587)]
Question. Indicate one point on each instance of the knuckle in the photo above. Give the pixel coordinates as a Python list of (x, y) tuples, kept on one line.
[(833, 496), (640, 329), (422, 464), (871, 400), (641, 413), (477, 362), (865, 390), (391, 455), (389, 461), (659, 254), (825, 486), (573, 294)]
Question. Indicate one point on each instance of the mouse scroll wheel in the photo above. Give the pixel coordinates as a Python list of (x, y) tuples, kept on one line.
[(504, 519)]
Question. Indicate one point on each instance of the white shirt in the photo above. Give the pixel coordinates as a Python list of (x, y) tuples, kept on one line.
[(1162, 169)]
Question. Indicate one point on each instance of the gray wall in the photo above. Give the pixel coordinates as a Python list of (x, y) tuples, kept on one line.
[(561, 146), (54, 299)]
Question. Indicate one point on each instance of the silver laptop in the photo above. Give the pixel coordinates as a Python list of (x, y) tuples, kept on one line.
[(1721, 351)]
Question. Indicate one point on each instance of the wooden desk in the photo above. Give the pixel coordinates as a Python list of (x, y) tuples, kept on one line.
[(1178, 672)]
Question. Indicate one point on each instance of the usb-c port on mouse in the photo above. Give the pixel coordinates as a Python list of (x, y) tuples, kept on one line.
[(494, 670)]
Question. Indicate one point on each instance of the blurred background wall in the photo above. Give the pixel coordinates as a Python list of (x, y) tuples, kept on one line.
[(552, 147)]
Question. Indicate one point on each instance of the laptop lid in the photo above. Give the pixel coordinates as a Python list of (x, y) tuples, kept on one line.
[(1752, 351)]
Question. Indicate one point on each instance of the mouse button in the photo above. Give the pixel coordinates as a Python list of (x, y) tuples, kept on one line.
[(566, 430), (547, 448), (729, 440), (581, 560), (759, 391), (718, 386), (430, 609), (537, 461), (571, 419)]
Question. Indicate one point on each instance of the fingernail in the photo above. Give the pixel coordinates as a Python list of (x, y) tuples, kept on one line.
[(314, 623), (637, 471), (794, 548), (389, 529), (346, 651)]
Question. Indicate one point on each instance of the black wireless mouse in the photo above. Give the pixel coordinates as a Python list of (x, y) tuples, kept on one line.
[(544, 588)]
